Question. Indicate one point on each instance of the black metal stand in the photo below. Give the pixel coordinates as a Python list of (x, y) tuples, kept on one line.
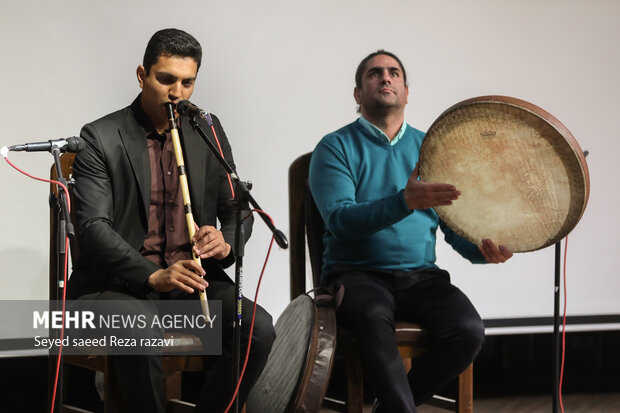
[(556, 321), (242, 200), (556, 328), (63, 229), (241, 205)]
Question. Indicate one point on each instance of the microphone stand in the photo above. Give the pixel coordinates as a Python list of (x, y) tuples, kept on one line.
[(64, 228), (242, 200), (556, 329), (555, 353)]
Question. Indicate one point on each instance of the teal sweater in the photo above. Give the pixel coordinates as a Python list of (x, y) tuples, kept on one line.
[(358, 181)]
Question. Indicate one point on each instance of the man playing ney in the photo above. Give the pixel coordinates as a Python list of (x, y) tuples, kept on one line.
[(380, 242), (133, 238)]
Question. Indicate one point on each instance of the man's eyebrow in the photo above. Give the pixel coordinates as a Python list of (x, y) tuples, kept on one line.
[(166, 74), (380, 68)]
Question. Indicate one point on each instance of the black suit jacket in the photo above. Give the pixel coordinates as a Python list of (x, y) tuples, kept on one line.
[(112, 197)]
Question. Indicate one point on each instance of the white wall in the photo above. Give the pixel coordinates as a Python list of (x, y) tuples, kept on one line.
[(279, 74)]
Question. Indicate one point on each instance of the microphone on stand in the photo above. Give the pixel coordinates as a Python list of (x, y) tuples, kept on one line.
[(187, 108), (72, 144)]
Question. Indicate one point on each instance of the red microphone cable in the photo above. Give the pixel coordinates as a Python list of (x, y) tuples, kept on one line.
[(247, 352), (62, 329), (66, 265), (210, 123), (64, 188)]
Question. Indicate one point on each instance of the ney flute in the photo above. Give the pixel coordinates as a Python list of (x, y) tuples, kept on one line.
[(189, 218)]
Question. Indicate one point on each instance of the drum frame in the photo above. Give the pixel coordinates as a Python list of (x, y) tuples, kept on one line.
[(541, 114)]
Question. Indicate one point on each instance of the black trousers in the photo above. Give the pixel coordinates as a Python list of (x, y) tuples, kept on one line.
[(374, 299), (140, 379)]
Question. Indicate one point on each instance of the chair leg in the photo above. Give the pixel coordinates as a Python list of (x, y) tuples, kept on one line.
[(173, 386), (111, 398), (465, 403), (355, 383)]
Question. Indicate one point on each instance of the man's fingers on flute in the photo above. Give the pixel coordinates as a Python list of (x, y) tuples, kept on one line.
[(189, 267), (215, 247), (194, 283), (189, 277), (204, 231), (187, 282), (180, 286), (198, 281)]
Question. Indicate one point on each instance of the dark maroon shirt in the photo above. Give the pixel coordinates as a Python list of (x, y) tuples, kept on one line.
[(167, 238)]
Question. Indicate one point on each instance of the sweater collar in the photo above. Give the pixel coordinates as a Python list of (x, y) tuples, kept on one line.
[(379, 134)]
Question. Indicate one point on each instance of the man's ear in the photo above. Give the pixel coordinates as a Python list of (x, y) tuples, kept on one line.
[(356, 95), (406, 94), (141, 74)]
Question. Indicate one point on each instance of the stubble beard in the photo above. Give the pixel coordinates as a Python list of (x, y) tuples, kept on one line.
[(380, 107)]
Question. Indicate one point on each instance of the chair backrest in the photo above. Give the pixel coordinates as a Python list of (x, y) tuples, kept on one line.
[(66, 166), (304, 222)]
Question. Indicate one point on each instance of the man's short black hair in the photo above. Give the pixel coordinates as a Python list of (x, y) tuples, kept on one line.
[(362, 66), (171, 42)]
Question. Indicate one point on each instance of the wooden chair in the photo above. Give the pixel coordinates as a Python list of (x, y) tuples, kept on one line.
[(306, 224), (172, 365)]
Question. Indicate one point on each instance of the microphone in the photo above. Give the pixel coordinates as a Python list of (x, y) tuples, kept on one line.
[(187, 108), (72, 144)]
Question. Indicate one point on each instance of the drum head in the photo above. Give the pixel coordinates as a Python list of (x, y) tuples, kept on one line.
[(297, 372), (523, 178)]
